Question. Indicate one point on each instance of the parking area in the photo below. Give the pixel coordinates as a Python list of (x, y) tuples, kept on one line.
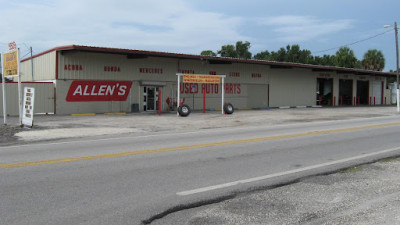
[(47, 127)]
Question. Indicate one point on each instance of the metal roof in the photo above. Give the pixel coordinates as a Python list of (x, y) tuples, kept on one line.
[(213, 60)]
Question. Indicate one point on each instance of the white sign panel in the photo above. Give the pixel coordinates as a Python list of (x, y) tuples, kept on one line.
[(27, 111)]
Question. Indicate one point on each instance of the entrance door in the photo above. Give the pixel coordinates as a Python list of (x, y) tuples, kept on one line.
[(324, 91), (150, 98)]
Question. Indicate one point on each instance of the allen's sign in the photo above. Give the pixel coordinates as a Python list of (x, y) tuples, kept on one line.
[(96, 91)]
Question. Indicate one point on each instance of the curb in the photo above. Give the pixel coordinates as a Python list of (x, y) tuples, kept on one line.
[(115, 113), (83, 114)]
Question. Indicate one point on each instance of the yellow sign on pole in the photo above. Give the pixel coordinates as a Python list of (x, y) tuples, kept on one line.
[(196, 78), (10, 63)]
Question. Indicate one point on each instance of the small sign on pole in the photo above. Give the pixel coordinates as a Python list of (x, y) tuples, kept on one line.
[(10, 60), (10, 63), (29, 102)]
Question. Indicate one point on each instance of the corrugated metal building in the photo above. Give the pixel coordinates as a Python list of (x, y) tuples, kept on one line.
[(98, 80)]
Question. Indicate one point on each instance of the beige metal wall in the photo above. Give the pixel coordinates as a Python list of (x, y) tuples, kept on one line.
[(44, 97), (44, 68), (64, 107), (91, 66), (292, 87), (95, 66), (246, 85)]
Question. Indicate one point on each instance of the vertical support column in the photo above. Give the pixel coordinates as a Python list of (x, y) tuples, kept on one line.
[(19, 91), (4, 91), (204, 100), (223, 95), (178, 98), (159, 101)]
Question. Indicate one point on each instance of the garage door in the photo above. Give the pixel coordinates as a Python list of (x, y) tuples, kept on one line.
[(377, 92)]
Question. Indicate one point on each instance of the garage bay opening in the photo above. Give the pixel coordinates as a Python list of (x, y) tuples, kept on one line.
[(345, 92), (362, 92)]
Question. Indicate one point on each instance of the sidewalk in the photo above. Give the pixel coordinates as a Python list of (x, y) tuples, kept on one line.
[(56, 127)]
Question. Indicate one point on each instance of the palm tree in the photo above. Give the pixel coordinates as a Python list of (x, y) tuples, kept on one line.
[(345, 58), (373, 60)]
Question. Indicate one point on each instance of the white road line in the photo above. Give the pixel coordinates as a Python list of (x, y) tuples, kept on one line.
[(269, 176)]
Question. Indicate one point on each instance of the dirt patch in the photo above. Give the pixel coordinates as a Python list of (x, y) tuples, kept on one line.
[(7, 134)]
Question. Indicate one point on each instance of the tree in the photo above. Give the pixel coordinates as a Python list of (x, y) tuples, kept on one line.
[(208, 53), (296, 55), (228, 51), (240, 50), (289, 54), (265, 55), (373, 60), (326, 60), (345, 58)]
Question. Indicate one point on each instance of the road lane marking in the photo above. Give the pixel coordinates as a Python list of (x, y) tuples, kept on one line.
[(269, 176), (186, 147)]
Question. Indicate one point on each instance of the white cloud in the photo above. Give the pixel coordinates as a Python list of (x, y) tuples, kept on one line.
[(304, 28), (152, 24)]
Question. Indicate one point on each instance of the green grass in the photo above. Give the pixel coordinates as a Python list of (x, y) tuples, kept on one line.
[(392, 159), (353, 169)]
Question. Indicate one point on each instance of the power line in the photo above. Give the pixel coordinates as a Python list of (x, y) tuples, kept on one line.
[(353, 43)]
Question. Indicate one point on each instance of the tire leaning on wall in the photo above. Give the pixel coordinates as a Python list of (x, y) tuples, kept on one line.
[(184, 110), (228, 108)]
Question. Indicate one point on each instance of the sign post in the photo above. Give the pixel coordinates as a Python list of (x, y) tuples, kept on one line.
[(4, 91), (11, 68)]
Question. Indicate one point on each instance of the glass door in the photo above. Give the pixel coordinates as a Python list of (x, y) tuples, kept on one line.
[(150, 98)]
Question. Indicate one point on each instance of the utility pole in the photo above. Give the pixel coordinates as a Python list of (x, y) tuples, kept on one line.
[(3, 80), (397, 65), (32, 63)]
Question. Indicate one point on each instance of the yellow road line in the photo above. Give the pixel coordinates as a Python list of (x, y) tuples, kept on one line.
[(185, 147)]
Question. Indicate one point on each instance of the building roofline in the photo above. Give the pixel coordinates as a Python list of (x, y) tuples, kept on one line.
[(210, 58)]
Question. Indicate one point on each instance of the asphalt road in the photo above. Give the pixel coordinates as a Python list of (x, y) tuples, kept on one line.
[(130, 179)]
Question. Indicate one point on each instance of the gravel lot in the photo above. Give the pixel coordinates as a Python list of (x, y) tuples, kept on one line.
[(369, 194)]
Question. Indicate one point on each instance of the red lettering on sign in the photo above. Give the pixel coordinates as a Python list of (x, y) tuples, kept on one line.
[(151, 70), (73, 67), (234, 74), (256, 75), (112, 69), (94, 91), (186, 71), (213, 72), (12, 46), (230, 88)]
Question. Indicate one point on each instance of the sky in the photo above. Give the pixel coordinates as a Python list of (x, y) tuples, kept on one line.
[(191, 26)]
